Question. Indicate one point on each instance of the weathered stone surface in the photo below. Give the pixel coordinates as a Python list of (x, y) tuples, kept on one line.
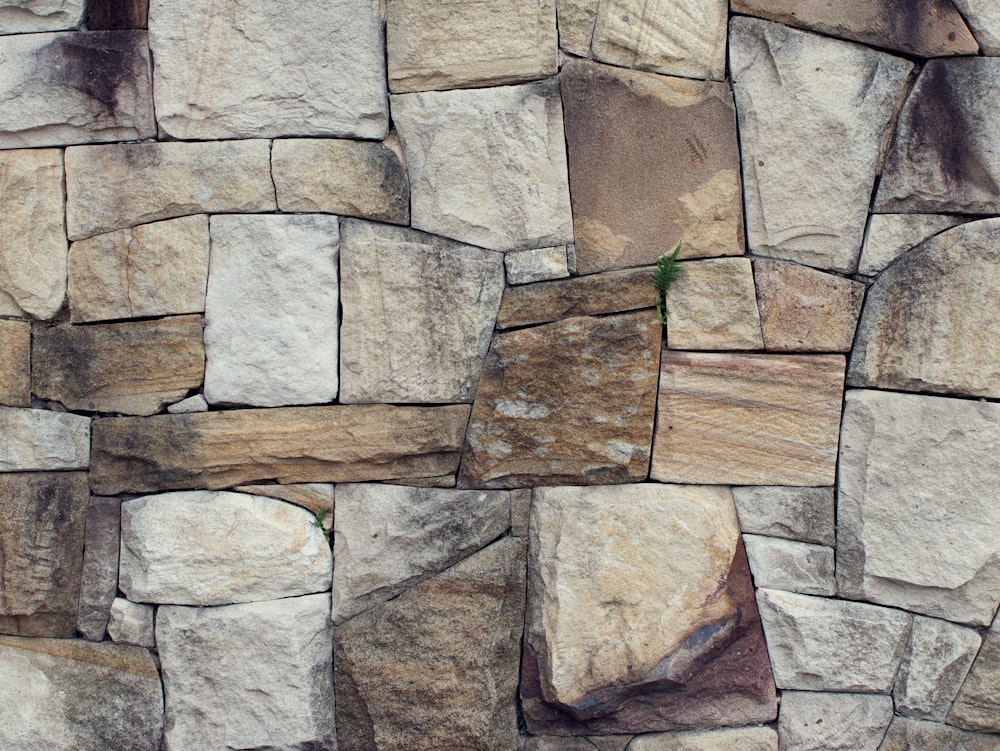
[(745, 739), (922, 327), (157, 269), (570, 402), (33, 234), (805, 310), (914, 735), (309, 444), (978, 704), (134, 368), (253, 675), (891, 235), (24, 16), (243, 548), (271, 310), (683, 38), (653, 161), (131, 623), (463, 43), (194, 403), (809, 179), (804, 514), (558, 744), (748, 419), (418, 311), (520, 511), (117, 14), (59, 695), (386, 539), (576, 25), (536, 265), (488, 166), (315, 496), (122, 185), (610, 742), (983, 17), (713, 305), (42, 539), (816, 721), (250, 69), (15, 363), (818, 644), (99, 575), (37, 439), (437, 666), (74, 87), (791, 565), (915, 517)]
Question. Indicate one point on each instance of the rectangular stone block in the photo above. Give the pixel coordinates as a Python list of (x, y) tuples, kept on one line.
[(99, 576), (117, 14), (37, 439), (713, 306), (15, 363), (20, 17)]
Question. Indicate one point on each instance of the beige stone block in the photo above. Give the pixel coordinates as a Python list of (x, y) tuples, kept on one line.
[(891, 235), (713, 306), (977, 706), (38, 439), (576, 25), (15, 363), (20, 17)]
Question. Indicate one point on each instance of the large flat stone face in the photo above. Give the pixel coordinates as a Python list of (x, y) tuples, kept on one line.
[(916, 521), (250, 69), (15, 363), (821, 721), (977, 706), (39, 439), (20, 17)]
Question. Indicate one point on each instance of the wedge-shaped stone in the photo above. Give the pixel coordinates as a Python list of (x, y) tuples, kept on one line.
[(99, 575), (131, 623), (296, 444), (122, 185), (713, 305), (809, 179), (748, 419), (804, 514), (576, 25), (891, 235), (536, 265), (978, 704), (488, 166), (315, 496), (818, 721), (746, 739), (117, 14), (38, 439), (791, 565), (570, 402), (436, 667), (15, 363), (983, 16), (914, 735), (20, 17), (653, 161), (259, 68)]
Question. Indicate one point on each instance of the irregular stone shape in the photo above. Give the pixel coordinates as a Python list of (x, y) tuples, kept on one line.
[(745, 739), (576, 25), (59, 695), (42, 538), (536, 265), (570, 402), (75, 87), (257, 69), (38, 439), (387, 539), (243, 548), (24, 16), (134, 368), (683, 37), (713, 305), (194, 403), (15, 363), (818, 644), (314, 496), (32, 234), (891, 235), (254, 675), (117, 14), (99, 575), (913, 735), (271, 310), (488, 166), (805, 310), (610, 742), (915, 517), (984, 18), (558, 744), (122, 185), (157, 269), (815, 721), (922, 326), (809, 179), (437, 666), (934, 668), (653, 161), (804, 514), (464, 43), (131, 623), (308, 444), (978, 704), (748, 419), (791, 565)]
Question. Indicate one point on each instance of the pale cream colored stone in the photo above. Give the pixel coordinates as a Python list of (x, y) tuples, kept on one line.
[(804, 514), (187, 406), (15, 363), (536, 265), (36, 439), (131, 623), (24, 16), (713, 306), (758, 738), (821, 721), (576, 25), (791, 565), (891, 235)]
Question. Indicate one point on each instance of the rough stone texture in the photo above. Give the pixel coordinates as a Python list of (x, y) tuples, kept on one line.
[(520, 511), (791, 565), (24, 16), (914, 735), (15, 363), (712, 305), (945, 155), (253, 675), (37, 439), (653, 161), (135, 368), (122, 185), (818, 644), (314, 496), (610, 742), (804, 514), (99, 575), (808, 179), (915, 517), (74, 87), (419, 312), (934, 668), (748, 419), (194, 403), (978, 704), (311, 444), (59, 695), (558, 744), (983, 17), (243, 548), (745, 739), (437, 666), (42, 539), (32, 234), (462, 43), (576, 25), (155, 269), (805, 310), (815, 721), (271, 310), (923, 323), (891, 235), (117, 14), (488, 166), (131, 623), (682, 37), (257, 69), (536, 265), (570, 402)]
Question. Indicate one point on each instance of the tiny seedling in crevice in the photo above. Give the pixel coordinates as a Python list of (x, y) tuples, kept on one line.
[(667, 269), (318, 522)]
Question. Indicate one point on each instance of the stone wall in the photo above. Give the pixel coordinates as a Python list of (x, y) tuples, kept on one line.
[(331, 377)]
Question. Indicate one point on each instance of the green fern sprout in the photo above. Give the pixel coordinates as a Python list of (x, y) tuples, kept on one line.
[(667, 270), (318, 522)]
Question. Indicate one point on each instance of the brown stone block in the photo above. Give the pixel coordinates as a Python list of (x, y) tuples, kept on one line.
[(15, 363), (117, 14), (315, 496)]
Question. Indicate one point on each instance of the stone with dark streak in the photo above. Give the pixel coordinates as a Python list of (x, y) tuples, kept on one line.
[(117, 14), (99, 578)]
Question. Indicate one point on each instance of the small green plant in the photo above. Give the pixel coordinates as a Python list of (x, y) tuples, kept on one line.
[(667, 269), (318, 522)]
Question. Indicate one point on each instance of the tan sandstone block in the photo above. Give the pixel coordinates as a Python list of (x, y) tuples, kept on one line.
[(15, 363), (713, 306)]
